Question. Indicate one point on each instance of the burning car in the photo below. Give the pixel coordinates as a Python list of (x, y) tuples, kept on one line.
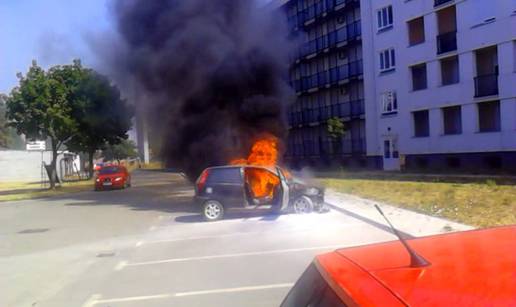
[(250, 186)]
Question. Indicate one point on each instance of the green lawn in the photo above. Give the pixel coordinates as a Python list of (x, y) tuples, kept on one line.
[(21, 190), (478, 204)]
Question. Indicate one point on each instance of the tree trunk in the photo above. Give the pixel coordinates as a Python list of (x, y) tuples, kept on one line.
[(90, 162), (53, 171)]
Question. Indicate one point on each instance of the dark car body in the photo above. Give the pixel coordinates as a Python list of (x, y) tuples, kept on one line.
[(112, 177), (469, 268), (229, 187)]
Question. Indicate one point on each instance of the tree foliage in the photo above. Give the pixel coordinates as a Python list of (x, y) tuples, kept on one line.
[(336, 127), (68, 105), (41, 106), (102, 116), (125, 149)]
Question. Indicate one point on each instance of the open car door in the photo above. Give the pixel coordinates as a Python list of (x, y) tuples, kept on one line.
[(285, 190)]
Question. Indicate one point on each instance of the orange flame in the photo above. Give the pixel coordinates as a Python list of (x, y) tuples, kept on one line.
[(264, 152)]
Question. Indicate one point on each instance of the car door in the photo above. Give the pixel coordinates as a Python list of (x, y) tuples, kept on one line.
[(227, 186), (285, 190)]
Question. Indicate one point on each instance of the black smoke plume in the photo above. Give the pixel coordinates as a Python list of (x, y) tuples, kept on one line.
[(214, 73)]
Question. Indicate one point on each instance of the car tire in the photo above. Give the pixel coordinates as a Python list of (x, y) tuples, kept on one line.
[(212, 210), (303, 204)]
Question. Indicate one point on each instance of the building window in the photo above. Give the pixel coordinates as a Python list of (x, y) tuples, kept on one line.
[(452, 120), (387, 60), (421, 123), (389, 102), (450, 70), (384, 16), (419, 77), (489, 116), (416, 30)]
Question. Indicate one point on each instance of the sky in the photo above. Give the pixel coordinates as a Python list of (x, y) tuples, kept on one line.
[(48, 31), (51, 32)]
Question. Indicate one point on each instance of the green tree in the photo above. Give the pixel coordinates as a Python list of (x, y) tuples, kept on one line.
[(41, 107), (102, 116), (336, 129), (123, 150)]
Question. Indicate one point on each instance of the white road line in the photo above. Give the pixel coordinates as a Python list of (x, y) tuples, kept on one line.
[(293, 230), (96, 299), (230, 290), (133, 298), (92, 301), (279, 251), (120, 265), (138, 244)]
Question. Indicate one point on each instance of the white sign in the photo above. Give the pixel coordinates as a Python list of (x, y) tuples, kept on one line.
[(36, 146)]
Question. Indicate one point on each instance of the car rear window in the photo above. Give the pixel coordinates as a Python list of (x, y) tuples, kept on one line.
[(225, 175), (312, 290), (110, 170)]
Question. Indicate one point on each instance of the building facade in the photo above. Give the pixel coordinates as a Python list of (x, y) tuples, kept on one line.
[(326, 74), (440, 83)]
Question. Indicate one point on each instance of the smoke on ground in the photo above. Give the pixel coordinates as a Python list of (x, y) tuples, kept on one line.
[(213, 74)]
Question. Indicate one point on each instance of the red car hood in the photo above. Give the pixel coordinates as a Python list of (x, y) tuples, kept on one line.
[(472, 268), (112, 176)]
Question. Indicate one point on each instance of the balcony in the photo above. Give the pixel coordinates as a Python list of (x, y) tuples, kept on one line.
[(447, 42), (486, 85), (441, 2)]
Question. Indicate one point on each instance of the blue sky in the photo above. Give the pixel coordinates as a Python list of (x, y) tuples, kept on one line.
[(49, 31)]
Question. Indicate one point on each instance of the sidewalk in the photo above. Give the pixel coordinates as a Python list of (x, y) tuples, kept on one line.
[(411, 223)]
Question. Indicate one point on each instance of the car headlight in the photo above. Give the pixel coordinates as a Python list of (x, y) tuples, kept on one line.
[(97, 180), (312, 191), (118, 178)]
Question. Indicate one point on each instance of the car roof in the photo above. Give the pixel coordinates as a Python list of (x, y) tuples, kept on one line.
[(270, 168), (475, 267)]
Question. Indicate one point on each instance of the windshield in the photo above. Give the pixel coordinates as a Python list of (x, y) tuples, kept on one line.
[(110, 170)]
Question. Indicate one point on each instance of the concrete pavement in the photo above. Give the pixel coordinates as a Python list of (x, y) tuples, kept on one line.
[(146, 246)]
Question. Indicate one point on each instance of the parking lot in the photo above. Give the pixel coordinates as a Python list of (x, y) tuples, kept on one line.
[(146, 247)]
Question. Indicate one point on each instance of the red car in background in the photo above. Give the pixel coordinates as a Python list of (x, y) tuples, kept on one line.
[(471, 268), (112, 177)]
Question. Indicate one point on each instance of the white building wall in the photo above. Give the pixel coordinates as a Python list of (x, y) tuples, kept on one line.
[(471, 35)]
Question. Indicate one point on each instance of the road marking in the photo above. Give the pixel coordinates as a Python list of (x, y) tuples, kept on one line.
[(121, 265), (132, 299), (230, 290), (292, 230), (279, 251), (96, 299), (152, 228), (138, 244), (92, 301)]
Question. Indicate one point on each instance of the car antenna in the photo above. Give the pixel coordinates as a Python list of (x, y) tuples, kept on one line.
[(416, 261)]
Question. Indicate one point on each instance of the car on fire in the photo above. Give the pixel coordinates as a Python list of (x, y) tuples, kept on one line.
[(251, 187), (470, 268), (112, 177)]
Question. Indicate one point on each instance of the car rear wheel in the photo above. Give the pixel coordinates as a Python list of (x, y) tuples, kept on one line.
[(303, 204), (212, 210)]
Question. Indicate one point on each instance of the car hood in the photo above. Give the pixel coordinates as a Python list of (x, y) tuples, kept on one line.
[(468, 268), (110, 175)]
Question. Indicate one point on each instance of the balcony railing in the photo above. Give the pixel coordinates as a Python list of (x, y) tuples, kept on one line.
[(329, 77), (320, 147), (447, 42), (441, 2), (486, 85), (353, 108)]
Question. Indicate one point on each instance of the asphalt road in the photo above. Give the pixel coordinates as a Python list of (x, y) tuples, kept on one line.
[(146, 246)]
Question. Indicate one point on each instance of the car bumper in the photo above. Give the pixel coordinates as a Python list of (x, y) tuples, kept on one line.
[(114, 185)]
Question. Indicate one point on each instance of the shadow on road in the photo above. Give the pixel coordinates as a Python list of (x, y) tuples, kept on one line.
[(266, 215), (152, 190)]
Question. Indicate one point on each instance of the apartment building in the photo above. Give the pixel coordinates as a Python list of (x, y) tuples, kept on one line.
[(326, 74), (440, 83)]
